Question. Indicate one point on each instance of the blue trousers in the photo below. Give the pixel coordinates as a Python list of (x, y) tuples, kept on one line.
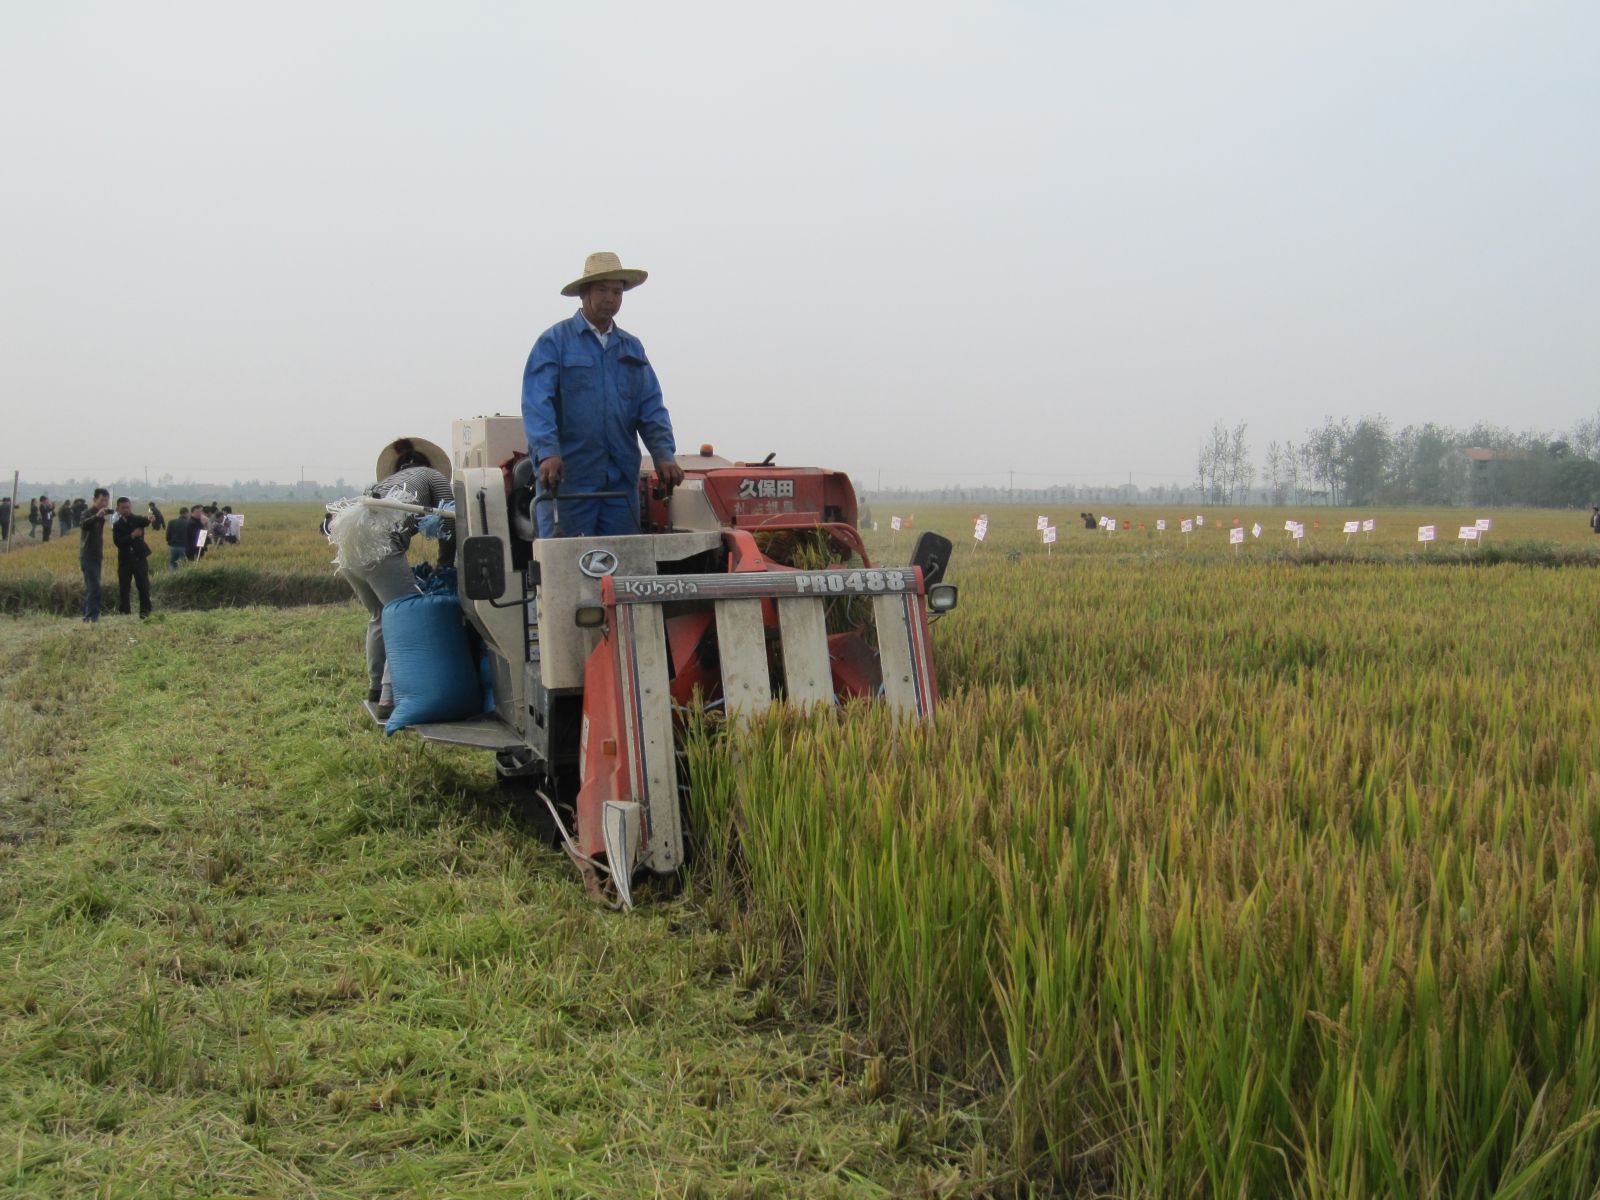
[(91, 586), (589, 518)]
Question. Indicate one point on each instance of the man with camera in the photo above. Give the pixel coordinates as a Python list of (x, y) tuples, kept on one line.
[(91, 551), (133, 557)]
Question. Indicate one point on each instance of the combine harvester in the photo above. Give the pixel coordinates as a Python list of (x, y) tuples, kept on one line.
[(749, 584)]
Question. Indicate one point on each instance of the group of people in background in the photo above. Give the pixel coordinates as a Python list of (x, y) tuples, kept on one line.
[(217, 522), (46, 516), (194, 531)]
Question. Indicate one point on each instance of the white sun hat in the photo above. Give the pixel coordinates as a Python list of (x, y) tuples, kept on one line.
[(389, 456), (603, 264)]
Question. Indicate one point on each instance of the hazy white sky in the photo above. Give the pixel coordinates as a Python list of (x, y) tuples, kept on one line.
[(934, 240)]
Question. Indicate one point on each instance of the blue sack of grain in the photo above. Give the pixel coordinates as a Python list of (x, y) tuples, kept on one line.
[(431, 667)]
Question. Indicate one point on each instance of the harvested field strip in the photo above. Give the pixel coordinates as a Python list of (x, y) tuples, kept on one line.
[(255, 948)]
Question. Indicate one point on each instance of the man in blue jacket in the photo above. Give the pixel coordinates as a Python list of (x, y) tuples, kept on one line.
[(589, 396)]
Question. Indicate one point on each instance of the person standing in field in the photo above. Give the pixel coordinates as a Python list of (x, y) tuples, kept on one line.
[(77, 512), (5, 518), (91, 552), (197, 526), (133, 557), (47, 515), (589, 395), (178, 530), (33, 517)]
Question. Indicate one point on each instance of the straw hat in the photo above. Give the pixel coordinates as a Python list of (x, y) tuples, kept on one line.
[(603, 264), (389, 456)]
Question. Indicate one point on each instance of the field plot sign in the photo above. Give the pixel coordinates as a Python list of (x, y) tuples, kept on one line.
[(1482, 526), (1199, 518), (1255, 530), (1161, 525), (1368, 526), (1236, 538), (1187, 526), (1351, 527), (1049, 533), (980, 528), (1425, 533), (894, 524), (1042, 523), (1468, 533), (1299, 531)]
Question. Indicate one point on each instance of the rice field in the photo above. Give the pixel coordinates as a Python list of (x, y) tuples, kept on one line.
[(1267, 871), (1272, 875)]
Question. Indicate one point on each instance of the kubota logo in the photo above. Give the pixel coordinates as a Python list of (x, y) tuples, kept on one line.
[(597, 564)]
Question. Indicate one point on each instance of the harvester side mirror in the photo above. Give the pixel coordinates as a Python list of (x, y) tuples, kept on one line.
[(932, 554), (483, 567), (942, 597)]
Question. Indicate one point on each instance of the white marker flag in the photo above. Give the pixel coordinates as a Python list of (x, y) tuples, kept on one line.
[(1368, 525), (1161, 525), (1255, 530), (1352, 526), (1483, 524), (894, 524), (1236, 537), (1469, 533), (1187, 526), (1049, 534), (1424, 533)]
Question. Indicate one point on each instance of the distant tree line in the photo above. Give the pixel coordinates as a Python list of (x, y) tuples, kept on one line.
[(1366, 462), (167, 488), (1351, 463)]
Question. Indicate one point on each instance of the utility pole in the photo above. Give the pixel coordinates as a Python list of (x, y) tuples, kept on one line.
[(1011, 482), (12, 524)]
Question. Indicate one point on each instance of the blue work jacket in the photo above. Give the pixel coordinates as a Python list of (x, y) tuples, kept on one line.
[(592, 405)]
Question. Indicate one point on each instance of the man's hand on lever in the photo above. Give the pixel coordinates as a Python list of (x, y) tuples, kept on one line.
[(552, 470), (669, 473)]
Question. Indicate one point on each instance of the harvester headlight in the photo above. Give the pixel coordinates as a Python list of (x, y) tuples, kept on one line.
[(589, 616), (942, 597)]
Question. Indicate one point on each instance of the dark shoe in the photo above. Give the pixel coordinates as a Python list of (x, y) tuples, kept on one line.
[(374, 695), (385, 711)]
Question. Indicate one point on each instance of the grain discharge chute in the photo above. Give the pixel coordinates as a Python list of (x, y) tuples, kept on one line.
[(748, 584)]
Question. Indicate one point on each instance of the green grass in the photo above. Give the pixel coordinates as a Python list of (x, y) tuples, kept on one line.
[(252, 947)]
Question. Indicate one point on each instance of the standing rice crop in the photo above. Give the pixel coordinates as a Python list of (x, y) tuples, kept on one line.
[(1234, 878)]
